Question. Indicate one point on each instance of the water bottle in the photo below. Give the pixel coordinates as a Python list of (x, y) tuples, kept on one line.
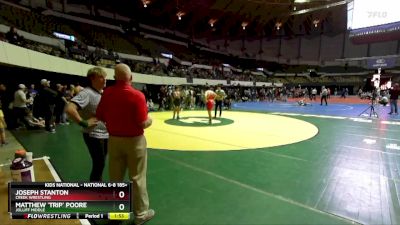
[(22, 170)]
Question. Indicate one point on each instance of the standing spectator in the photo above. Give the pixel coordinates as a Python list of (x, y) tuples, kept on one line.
[(394, 96), (3, 126), (329, 93), (219, 98), (82, 110), (31, 95), (344, 94), (360, 92), (20, 105), (32, 91), (71, 91), (77, 88), (146, 93), (162, 96), (6, 99), (60, 104), (192, 98), (150, 105), (124, 111), (44, 104), (313, 94), (3, 97), (324, 95)]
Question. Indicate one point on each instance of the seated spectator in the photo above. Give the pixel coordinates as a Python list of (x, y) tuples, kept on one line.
[(303, 102), (227, 103), (383, 101), (34, 123), (13, 37)]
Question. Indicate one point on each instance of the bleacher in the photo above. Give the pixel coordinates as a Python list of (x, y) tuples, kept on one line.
[(103, 46)]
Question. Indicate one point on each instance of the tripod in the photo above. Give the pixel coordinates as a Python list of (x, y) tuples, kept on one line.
[(371, 109)]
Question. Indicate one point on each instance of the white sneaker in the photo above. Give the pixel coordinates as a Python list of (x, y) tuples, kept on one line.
[(148, 216)]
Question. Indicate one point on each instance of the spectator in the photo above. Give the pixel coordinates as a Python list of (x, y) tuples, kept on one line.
[(3, 126), (324, 95), (20, 105), (60, 104), (150, 105), (394, 96), (77, 88), (124, 111), (44, 105), (34, 123), (13, 37), (6, 99)]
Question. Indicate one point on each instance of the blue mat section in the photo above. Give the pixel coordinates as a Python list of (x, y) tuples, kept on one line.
[(334, 109)]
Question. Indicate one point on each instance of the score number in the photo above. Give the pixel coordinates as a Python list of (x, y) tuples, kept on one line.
[(121, 195)]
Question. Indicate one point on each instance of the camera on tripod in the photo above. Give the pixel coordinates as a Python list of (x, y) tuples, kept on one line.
[(376, 80)]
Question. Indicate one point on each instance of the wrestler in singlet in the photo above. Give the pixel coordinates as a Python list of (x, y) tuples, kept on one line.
[(210, 99), (210, 96), (176, 100)]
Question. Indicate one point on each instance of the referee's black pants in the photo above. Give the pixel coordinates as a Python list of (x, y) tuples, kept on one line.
[(98, 151), (218, 104)]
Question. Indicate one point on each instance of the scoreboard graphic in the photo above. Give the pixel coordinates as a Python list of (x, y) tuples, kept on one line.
[(59, 200)]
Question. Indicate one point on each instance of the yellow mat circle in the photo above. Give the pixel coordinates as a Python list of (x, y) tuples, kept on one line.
[(248, 131)]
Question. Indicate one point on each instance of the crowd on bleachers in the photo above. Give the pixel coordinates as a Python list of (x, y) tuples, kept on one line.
[(43, 107), (99, 46)]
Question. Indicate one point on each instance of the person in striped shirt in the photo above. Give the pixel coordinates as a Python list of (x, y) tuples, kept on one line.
[(82, 110)]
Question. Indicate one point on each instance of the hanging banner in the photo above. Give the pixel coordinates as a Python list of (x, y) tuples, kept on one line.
[(381, 63)]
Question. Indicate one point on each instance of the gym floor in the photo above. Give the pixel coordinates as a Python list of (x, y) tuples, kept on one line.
[(260, 163)]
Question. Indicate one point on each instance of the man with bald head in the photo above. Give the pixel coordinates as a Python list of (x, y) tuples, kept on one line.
[(124, 111)]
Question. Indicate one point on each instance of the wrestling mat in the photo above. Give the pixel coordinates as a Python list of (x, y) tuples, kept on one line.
[(232, 131)]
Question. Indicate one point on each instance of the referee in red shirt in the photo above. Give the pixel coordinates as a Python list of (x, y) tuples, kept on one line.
[(124, 111)]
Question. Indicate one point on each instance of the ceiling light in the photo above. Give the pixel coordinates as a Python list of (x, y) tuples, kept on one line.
[(316, 22), (145, 3), (301, 1), (278, 25), (212, 21), (180, 14), (244, 24)]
